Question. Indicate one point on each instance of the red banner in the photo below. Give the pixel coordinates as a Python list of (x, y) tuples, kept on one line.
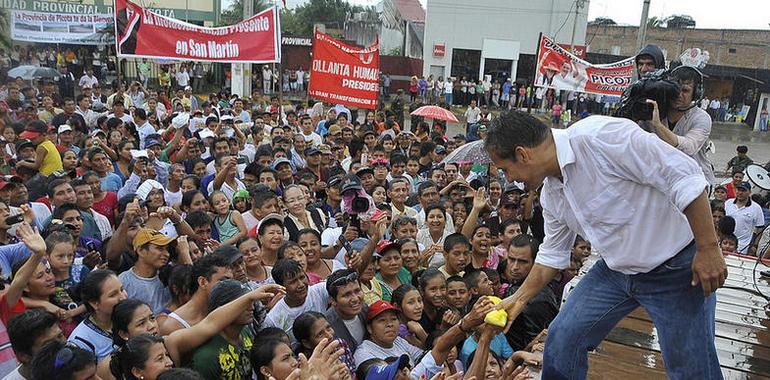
[(344, 74), (559, 69), (142, 33)]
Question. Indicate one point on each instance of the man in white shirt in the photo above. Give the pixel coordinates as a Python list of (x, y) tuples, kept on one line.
[(748, 216), (182, 77), (642, 203), (144, 127), (300, 80), (300, 297), (88, 79), (306, 123)]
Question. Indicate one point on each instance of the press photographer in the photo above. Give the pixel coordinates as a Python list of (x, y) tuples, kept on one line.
[(682, 124)]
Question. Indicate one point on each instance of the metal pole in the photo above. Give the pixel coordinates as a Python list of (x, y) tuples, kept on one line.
[(578, 4), (643, 26)]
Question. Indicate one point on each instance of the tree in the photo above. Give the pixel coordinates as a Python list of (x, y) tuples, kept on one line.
[(602, 21), (679, 21), (331, 13), (234, 13), (654, 22), (5, 31)]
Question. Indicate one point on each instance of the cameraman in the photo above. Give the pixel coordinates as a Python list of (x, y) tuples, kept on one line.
[(686, 126)]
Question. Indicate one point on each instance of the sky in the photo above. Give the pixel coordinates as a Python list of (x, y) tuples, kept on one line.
[(740, 14), (716, 14)]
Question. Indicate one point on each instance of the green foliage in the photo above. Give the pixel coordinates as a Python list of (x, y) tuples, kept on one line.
[(5, 30), (234, 13)]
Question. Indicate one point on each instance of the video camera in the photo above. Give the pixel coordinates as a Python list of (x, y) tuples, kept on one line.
[(657, 85)]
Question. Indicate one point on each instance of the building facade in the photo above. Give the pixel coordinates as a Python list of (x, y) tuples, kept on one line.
[(496, 38)]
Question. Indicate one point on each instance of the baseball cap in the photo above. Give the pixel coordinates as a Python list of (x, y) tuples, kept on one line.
[(279, 161), (364, 170), (508, 199), (743, 185), (241, 194), (388, 371), (186, 88), (482, 128), (226, 291), (229, 252), (459, 136), (271, 216), (440, 149), (63, 128), (334, 181), (385, 245), (311, 151), (151, 142), (378, 308), (205, 132), (146, 235), (335, 130), (23, 143), (34, 129), (325, 149), (351, 182)]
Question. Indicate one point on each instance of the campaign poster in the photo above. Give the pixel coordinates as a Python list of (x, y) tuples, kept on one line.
[(62, 28), (344, 74), (143, 33), (559, 69)]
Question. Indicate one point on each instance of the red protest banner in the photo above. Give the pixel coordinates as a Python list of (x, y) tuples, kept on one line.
[(344, 74), (142, 33), (559, 69)]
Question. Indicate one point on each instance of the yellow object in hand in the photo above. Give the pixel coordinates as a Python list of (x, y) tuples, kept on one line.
[(496, 317)]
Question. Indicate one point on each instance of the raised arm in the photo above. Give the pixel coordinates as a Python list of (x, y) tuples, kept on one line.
[(36, 244), (480, 200)]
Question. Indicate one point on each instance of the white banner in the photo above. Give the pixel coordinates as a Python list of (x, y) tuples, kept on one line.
[(64, 28)]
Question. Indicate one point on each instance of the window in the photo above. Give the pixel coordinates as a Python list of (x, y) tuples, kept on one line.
[(465, 63), (731, 50)]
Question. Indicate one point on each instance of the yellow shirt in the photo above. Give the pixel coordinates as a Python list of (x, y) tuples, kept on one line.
[(52, 160)]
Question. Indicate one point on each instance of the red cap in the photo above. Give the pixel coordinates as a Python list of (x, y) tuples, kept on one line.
[(384, 245), (378, 308)]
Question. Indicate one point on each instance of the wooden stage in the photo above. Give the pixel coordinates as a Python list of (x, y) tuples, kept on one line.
[(632, 351)]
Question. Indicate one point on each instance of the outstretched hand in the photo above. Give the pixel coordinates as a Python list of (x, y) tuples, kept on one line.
[(31, 238)]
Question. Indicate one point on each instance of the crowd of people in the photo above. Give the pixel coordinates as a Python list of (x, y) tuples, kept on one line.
[(149, 233)]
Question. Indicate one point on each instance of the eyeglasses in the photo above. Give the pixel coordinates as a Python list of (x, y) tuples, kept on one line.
[(345, 280)]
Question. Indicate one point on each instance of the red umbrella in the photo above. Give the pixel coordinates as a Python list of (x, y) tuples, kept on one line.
[(435, 112)]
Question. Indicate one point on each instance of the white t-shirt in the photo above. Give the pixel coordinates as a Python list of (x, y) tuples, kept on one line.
[(250, 220), (314, 137), (368, 350), (283, 316), (182, 78), (355, 327), (227, 189), (172, 198), (746, 218)]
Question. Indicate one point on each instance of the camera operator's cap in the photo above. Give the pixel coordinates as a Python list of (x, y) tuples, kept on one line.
[(388, 371), (206, 133), (64, 128), (743, 185), (364, 170), (351, 182), (440, 149), (385, 245), (229, 253), (146, 187), (325, 149), (335, 130), (311, 151), (96, 132), (378, 308), (34, 129), (146, 235), (226, 291), (280, 161), (334, 181)]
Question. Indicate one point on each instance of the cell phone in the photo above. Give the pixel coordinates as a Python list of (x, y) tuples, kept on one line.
[(11, 220)]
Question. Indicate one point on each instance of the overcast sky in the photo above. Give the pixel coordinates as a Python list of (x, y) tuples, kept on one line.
[(719, 14)]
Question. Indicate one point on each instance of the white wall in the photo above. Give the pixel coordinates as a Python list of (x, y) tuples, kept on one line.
[(465, 25)]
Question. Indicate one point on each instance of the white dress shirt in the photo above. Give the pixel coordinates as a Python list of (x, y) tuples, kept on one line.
[(624, 190), (746, 219)]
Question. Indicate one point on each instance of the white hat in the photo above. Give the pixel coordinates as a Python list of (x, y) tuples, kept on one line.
[(226, 117), (144, 189), (135, 154), (64, 128), (181, 120), (205, 132)]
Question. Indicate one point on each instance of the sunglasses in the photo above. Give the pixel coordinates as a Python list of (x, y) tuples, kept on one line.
[(345, 280)]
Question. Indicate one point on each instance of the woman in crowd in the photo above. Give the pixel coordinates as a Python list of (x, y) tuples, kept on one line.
[(391, 274), (409, 302), (297, 216), (411, 259), (433, 234), (256, 271), (100, 291), (310, 328), (310, 241)]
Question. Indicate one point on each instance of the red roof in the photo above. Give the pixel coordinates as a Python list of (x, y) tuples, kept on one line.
[(410, 10)]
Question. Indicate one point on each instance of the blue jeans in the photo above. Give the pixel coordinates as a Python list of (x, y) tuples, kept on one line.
[(684, 319), (448, 98)]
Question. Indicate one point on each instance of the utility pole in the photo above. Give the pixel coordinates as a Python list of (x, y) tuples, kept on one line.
[(241, 72), (578, 4), (643, 26)]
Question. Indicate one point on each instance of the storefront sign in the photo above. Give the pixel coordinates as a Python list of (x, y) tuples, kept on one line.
[(439, 50), (296, 41), (62, 28), (143, 33), (559, 69), (344, 74)]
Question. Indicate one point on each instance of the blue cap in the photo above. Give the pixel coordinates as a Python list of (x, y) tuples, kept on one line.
[(279, 161), (150, 142), (311, 151), (388, 372)]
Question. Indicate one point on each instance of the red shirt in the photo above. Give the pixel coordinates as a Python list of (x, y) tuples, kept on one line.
[(107, 206)]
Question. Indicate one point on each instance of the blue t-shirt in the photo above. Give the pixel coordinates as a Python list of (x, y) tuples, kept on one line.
[(101, 340), (498, 345), (10, 255), (111, 182)]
